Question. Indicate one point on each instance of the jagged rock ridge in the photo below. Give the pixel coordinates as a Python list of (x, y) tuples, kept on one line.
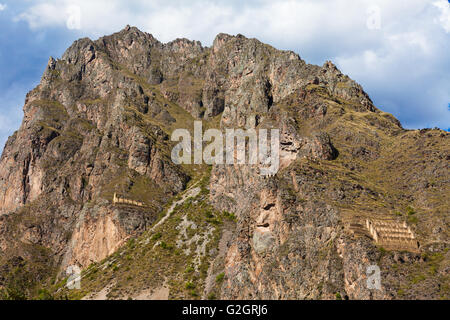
[(99, 123)]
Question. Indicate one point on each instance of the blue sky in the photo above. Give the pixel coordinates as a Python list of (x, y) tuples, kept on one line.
[(398, 50)]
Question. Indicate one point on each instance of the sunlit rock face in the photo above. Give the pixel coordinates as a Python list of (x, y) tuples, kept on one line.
[(99, 123)]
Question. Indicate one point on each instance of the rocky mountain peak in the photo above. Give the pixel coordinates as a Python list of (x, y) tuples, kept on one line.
[(98, 126)]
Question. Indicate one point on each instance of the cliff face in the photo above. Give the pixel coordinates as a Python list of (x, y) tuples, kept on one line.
[(89, 131), (99, 123)]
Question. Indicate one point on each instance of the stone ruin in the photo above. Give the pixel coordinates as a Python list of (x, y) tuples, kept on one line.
[(119, 200), (392, 235)]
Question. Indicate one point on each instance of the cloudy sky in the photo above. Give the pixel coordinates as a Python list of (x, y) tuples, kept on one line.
[(398, 50)]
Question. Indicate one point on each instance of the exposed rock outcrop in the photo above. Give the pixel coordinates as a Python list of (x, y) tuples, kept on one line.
[(99, 123)]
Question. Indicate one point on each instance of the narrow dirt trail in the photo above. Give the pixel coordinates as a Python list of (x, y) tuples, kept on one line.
[(192, 192)]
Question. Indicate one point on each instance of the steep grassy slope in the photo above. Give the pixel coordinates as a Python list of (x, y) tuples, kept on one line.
[(175, 259)]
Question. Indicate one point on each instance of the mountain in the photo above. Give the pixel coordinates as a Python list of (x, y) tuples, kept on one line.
[(99, 125)]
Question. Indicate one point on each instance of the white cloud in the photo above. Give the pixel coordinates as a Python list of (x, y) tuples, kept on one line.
[(2, 6), (42, 15), (402, 62), (444, 18)]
